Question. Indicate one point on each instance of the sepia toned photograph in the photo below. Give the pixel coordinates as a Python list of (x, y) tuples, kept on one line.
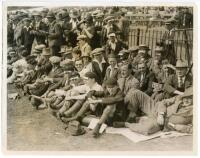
[(99, 78)]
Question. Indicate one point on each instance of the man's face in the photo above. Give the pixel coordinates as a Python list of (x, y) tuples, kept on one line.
[(38, 18), (27, 23), (125, 72), (79, 65), (112, 38), (98, 57), (112, 62), (181, 71), (142, 67), (187, 101), (141, 53), (50, 19), (111, 90), (75, 80), (81, 42)]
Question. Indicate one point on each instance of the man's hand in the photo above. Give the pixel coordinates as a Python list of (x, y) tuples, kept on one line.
[(160, 119)]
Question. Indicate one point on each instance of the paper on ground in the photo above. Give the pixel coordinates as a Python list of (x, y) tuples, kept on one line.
[(136, 137), (94, 122), (13, 95)]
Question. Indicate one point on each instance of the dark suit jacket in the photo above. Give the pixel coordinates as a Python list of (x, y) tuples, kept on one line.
[(119, 46), (39, 32), (100, 74), (172, 84), (27, 38), (55, 37), (146, 84)]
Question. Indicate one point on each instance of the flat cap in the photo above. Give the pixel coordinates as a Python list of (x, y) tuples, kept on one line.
[(111, 82), (133, 49), (144, 47), (91, 75), (97, 51), (54, 59), (181, 64)]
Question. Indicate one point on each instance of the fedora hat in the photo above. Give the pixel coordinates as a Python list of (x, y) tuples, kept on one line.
[(188, 92), (50, 15), (68, 51), (181, 64)]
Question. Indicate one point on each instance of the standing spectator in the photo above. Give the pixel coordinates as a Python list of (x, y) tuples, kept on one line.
[(27, 37), (55, 35)]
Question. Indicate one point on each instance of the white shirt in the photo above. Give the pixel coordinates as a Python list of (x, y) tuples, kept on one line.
[(87, 68)]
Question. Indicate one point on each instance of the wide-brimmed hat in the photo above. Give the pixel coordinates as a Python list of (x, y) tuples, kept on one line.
[(181, 64), (54, 59), (46, 51)]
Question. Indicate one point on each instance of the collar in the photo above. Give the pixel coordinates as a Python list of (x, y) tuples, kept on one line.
[(111, 42), (29, 27), (103, 61), (116, 67)]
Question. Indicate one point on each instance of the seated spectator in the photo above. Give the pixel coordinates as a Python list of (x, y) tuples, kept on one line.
[(145, 77), (177, 83)]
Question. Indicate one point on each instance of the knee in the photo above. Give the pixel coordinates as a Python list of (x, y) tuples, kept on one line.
[(180, 120)]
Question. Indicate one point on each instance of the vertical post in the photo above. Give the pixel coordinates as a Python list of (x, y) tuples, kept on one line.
[(138, 36)]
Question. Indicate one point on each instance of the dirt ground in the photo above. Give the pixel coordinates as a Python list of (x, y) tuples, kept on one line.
[(29, 129)]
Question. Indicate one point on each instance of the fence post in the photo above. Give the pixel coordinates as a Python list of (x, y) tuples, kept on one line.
[(138, 36)]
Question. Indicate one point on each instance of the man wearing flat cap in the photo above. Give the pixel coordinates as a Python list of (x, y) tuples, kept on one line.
[(99, 63), (113, 45), (26, 36), (83, 44), (107, 29), (168, 41), (40, 30), (55, 37), (177, 83)]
